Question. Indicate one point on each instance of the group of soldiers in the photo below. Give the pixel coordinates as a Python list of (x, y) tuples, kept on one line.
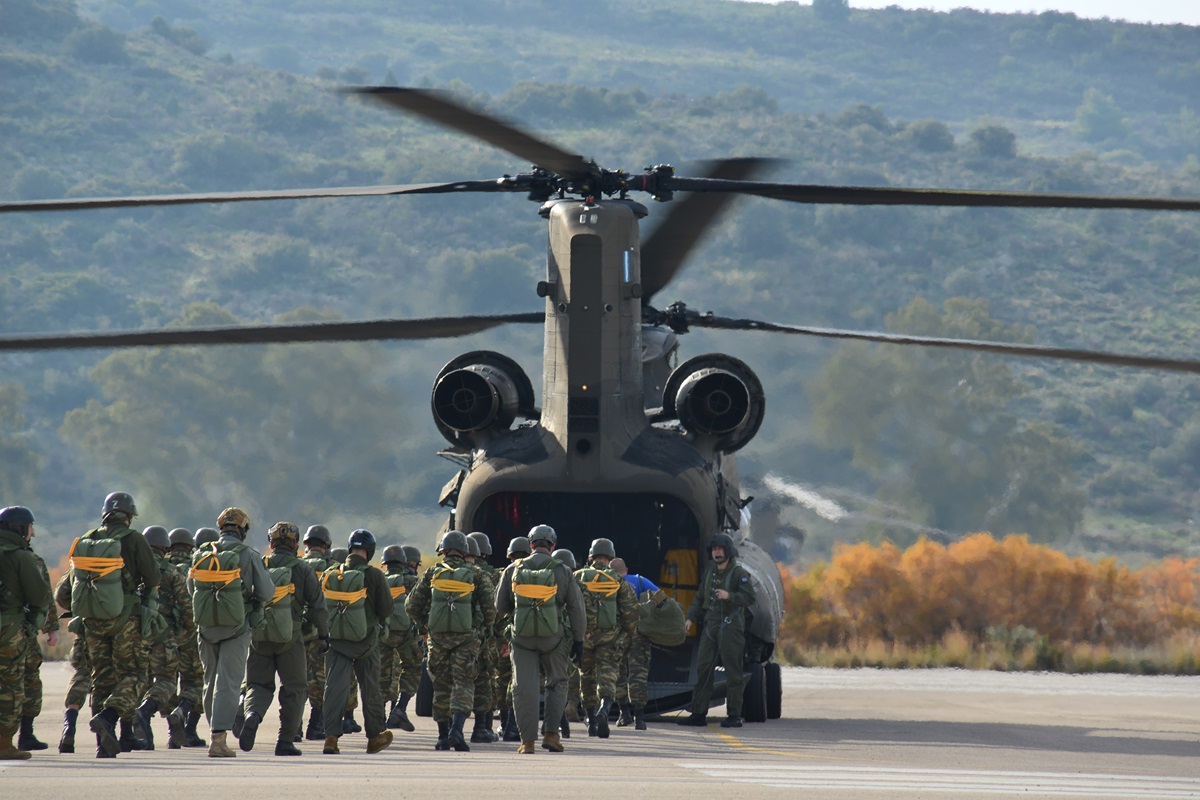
[(174, 625)]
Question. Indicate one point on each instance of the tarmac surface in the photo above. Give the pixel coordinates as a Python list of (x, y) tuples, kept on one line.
[(844, 734)]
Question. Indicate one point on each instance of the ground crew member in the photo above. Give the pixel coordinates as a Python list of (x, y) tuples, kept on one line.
[(401, 654), (535, 590), (360, 605), (278, 645), (33, 669), (175, 606), (24, 602), (229, 585), (632, 693), (518, 548), (114, 590), (317, 542), (489, 647), (182, 721), (453, 602), (612, 616), (719, 609)]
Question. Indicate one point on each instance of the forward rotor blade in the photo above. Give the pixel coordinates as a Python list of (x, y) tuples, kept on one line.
[(974, 345), (371, 330), (885, 196), (441, 108), (669, 245)]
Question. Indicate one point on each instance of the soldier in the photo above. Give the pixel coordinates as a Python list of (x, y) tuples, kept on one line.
[(518, 548), (632, 694), (33, 668), (726, 591), (206, 536), (114, 590), (489, 647), (229, 585), (612, 615), (277, 646), (535, 590), (360, 605), (453, 602), (574, 701), (400, 672), (175, 606), (183, 720), (81, 676), (317, 542), (24, 602)]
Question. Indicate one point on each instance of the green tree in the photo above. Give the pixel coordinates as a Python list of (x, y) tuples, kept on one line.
[(936, 430), (832, 10), (1098, 118), (18, 477)]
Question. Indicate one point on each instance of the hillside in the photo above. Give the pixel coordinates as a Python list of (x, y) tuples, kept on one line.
[(195, 101)]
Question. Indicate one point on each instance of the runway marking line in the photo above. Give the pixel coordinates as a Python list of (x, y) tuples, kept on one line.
[(738, 744)]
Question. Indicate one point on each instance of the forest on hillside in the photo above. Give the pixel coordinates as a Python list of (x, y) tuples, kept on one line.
[(143, 98)]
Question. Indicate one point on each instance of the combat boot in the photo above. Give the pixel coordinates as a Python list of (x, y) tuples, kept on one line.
[(249, 731), (316, 726), (693, 720), (379, 741), (220, 747), (192, 739), (239, 719), (443, 734), (592, 724), (25, 739), (626, 718), (602, 718), (145, 713), (66, 742), (455, 737), (8, 751), (104, 725), (732, 721), (176, 721), (401, 712), (552, 743), (391, 718), (639, 719), (564, 727), (527, 748), (349, 724), (331, 746), (284, 748), (510, 732), (482, 733)]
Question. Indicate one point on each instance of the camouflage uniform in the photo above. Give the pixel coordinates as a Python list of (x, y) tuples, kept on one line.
[(33, 659), (312, 653), (453, 657), (401, 654), (603, 648), (187, 649), (489, 657), (175, 605), (24, 602)]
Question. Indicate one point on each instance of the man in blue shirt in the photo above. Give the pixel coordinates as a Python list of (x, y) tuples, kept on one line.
[(635, 666)]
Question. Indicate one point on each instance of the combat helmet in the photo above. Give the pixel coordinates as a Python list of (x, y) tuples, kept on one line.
[(519, 547), (565, 556), (182, 536), (338, 554), (16, 519), (157, 536), (318, 533), (602, 547), (393, 554), (234, 517), (119, 502), (473, 548), (481, 539), (364, 539), (454, 540), (723, 540), (206, 535), (544, 534), (412, 555), (284, 534)]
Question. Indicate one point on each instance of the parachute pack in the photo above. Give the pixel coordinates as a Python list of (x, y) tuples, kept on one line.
[(400, 621), (535, 590), (600, 591), (451, 606), (346, 596), (217, 599), (96, 564), (278, 624)]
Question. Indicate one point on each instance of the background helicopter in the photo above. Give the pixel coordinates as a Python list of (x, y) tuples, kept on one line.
[(623, 445)]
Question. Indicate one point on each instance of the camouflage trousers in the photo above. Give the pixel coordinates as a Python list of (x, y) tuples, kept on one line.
[(485, 678), (14, 646), (502, 684), (598, 670), (191, 671), (33, 679), (163, 671), (81, 678), (453, 665), (635, 673), (118, 660), (400, 667)]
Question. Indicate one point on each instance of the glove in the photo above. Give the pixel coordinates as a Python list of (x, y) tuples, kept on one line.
[(323, 645), (576, 652)]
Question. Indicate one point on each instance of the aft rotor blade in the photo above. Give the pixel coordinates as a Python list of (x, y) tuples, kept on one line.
[(973, 345), (371, 330), (78, 203), (669, 245), (441, 108), (886, 196)]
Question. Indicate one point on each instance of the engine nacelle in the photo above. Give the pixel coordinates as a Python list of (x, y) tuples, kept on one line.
[(479, 392), (718, 397)]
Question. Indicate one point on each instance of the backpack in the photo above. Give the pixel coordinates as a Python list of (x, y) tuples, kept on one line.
[(217, 599), (600, 590), (535, 591), (346, 595), (451, 606), (662, 619), (96, 565), (400, 622), (278, 624)]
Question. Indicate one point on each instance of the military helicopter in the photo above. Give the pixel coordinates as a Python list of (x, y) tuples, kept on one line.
[(623, 445)]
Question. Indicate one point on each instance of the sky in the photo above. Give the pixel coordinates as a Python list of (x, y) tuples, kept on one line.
[(1157, 11)]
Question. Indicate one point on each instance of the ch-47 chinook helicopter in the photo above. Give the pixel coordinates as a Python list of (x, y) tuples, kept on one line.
[(622, 445)]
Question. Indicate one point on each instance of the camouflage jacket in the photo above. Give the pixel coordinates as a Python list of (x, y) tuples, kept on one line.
[(174, 602), (420, 599)]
